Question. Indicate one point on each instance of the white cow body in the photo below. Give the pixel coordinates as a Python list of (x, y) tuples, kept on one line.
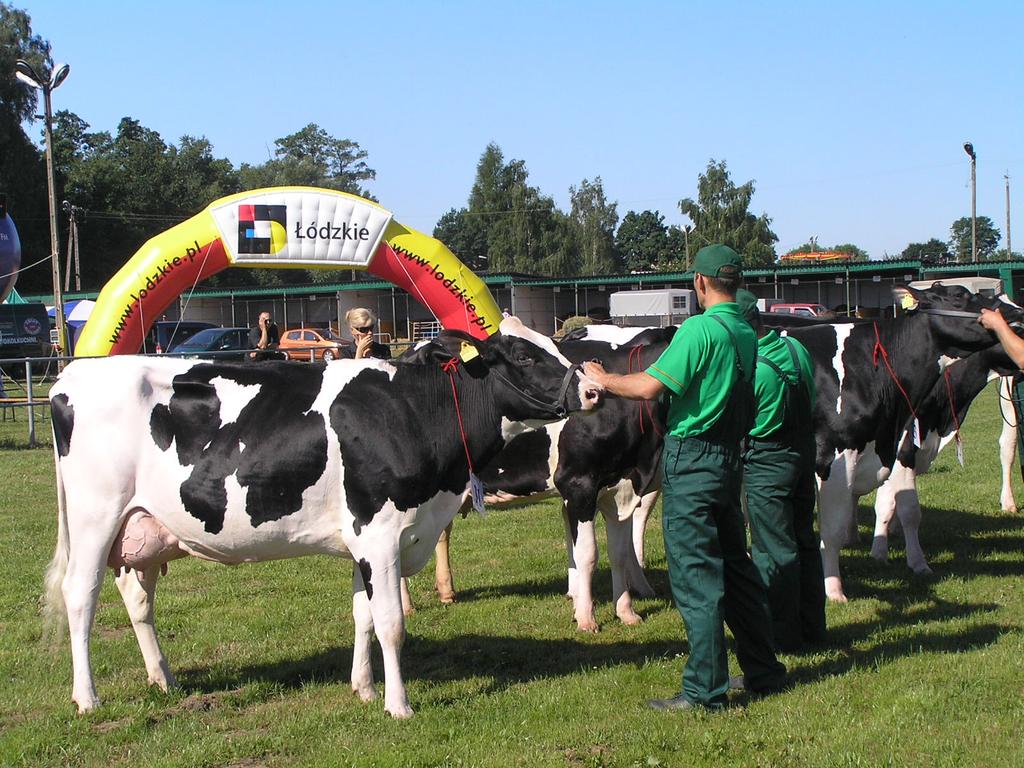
[(160, 457)]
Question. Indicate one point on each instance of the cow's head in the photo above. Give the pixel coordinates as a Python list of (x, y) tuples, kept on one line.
[(953, 313), (530, 379)]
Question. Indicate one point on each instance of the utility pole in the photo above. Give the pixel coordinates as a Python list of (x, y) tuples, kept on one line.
[(969, 149), (1009, 247), (72, 212)]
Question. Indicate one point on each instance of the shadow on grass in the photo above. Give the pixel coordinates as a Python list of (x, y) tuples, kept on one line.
[(506, 660), (914, 620)]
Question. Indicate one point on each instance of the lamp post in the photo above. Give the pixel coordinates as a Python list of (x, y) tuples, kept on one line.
[(969, 149), (27, 75)]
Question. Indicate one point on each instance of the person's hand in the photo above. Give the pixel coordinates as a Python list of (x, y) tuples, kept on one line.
[(363, 345), (595, 371), (992, 320)]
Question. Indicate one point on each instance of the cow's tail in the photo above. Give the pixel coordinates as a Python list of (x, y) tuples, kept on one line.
[(55, 614)]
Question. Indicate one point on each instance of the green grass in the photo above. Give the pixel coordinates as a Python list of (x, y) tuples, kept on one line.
[(920, 671)]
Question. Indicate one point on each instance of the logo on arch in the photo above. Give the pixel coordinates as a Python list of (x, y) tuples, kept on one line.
[(262, 229)]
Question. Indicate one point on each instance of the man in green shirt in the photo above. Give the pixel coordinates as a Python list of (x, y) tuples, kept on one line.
[(707, 372), (778, 475)]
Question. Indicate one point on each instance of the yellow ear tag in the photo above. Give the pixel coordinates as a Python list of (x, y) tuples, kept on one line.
[(908, 302), (467, 352)]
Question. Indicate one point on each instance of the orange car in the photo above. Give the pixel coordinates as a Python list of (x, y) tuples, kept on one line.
[(299, 343)]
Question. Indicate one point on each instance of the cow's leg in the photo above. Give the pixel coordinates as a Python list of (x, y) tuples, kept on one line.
[(408, 609), (443, 581), (835, 507), (582, 506), (138, 590), (620, 551), (572, 572), (908, 510), (87, 563), (1007, 450), (362, 671), (379, 568), (629, 506), (885, 508), (640, 516)]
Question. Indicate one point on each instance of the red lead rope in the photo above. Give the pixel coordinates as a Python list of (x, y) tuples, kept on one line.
[(643, 403), (450, 367), (880, 350)]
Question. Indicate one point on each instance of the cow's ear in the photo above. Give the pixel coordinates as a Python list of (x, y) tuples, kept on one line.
[(907, 298)]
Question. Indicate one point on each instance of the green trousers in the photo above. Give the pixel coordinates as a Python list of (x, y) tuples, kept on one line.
[(712, 578), (779, 483)]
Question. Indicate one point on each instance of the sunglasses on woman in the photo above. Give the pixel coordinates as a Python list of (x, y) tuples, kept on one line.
[(364, 329)]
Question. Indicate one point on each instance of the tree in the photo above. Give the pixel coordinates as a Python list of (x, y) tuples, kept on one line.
[(644, 243), (594, 220), (131, 186), (507, 225), (720, 214), (312, 157), (933, 250), (960, 238), (22, 163)]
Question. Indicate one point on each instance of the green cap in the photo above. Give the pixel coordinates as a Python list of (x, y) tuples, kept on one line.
[(747, 303), (717, 261)]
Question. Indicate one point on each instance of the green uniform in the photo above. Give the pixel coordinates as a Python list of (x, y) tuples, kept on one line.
[(778, 476), (712, 578)]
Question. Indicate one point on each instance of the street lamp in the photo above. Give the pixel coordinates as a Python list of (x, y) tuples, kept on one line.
[(27, 75), (969, 149)]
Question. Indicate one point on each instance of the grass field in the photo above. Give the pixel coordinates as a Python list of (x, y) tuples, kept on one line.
[(920, 671)]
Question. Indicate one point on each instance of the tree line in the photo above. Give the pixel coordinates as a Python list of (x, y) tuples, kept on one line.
[(130, 184)]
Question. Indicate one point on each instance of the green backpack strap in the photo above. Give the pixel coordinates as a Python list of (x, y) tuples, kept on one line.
[(735, 349)]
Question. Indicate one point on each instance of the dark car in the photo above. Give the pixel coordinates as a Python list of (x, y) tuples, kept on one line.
[(165, 335), (216, 344)]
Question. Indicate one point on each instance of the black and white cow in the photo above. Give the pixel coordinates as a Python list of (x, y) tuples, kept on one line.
[(608, 463), (862, 407), (941, 413), (159, 458)]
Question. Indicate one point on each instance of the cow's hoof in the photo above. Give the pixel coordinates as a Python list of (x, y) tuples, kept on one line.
[(880, 551), (588, 625), (408, 610), (399, 711), (446, 598), (164, 682), (631, 619), (922, 569), (1010, 510), (86, 704), (834, 590), (366, 693)]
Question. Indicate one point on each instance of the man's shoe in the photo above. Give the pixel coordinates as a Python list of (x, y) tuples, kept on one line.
[(680, 702)]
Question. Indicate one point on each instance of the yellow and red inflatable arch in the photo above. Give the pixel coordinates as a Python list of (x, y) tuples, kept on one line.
[(284, 227)]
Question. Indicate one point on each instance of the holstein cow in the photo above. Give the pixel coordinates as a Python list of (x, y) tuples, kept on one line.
[(868, 375), (161, 458), (609, 463), (941, 413)]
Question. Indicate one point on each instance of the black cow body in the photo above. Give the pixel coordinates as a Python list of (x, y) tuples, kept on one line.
[(861, 410), (609, 463), (941, 412)]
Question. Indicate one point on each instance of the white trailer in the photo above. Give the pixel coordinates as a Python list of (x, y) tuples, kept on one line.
[(668, 306)]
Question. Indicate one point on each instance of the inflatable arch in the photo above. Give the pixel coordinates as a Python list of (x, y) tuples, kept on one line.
[(284, 227)]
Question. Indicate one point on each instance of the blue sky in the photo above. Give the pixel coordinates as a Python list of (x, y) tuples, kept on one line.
[(849, 117)]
